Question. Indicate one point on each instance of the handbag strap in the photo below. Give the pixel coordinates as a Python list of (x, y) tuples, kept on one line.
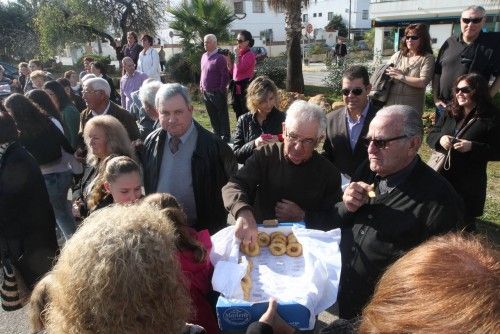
[(447, 160)]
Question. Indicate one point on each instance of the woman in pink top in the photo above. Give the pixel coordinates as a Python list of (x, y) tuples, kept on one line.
[(242, 71)]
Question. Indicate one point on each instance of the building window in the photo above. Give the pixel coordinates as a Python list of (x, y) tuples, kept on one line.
[(238, 7), (314, 14), (330, 16), (258, 6), (304, 18), (320, 14), (365, 14)]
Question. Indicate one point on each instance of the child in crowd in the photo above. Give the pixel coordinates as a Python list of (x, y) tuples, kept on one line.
[(119, 181), (192, 252)]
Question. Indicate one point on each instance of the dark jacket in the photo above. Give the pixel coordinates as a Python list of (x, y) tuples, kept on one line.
[(212, 164), (468, 170), (46, 146), (113, 96), (248, 129), (27, 222), (337, 147), (424, 204), (127, 120), (89, 174)]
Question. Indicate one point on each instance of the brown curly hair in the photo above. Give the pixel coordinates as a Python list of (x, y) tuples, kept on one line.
[(119, 274)]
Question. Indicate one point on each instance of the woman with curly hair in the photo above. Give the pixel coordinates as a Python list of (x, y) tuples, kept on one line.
[(51, 149), (473, 114), (192, 251), (103, 135), (119, 274), (263, 123), (70, 115), (119, 181)]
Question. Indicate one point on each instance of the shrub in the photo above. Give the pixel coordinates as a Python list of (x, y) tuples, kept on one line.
[(274, 68), (179, 69), (333, 78)]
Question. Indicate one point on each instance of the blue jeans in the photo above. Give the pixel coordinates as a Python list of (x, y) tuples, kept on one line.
[(57, 186)]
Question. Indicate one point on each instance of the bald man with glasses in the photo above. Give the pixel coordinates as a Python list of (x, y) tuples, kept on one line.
[(394, 203), (288, 181), (474, 51)]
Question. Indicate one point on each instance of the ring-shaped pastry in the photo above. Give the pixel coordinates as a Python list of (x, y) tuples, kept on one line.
[(278, 234), (294, 249), (277, 249), (264, 239), (291, 238), (250, 249)]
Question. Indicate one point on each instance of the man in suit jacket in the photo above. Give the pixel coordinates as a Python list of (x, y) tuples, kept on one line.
[(346, 127), (96, 93)]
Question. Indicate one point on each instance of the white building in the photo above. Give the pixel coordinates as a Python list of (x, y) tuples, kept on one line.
[(390, 17), (355, 14)]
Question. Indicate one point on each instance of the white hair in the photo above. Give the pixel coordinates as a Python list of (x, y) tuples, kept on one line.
[(87, 77), (98, 84), (301, 112), (147, 92), (410, 118), (477, 9), (210, 37)]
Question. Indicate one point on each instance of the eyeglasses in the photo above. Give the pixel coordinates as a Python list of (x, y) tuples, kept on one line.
[(382, 143), (356, 91), (473, 20), (240, 41), (413, 38), (464, 89), (307, 142)]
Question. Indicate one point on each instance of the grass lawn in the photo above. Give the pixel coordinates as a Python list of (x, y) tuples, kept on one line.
[(491, 217)]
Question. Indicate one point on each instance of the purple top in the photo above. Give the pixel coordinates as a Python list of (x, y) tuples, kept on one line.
[(214, 73), (132, 51), (130, 84)]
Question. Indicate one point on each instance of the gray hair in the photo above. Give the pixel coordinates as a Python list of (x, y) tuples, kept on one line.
[(478, 9), (127, 59), (169, 90), (410, 118), (210, 37), (302, 111), (88, 76), (147, 92), (98, 84), (2, 69)]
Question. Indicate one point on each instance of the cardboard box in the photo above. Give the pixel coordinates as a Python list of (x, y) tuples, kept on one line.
[(239, 315)]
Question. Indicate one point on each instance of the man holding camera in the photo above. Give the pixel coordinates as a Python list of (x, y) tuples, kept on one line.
[(473, 51), (213, 83)]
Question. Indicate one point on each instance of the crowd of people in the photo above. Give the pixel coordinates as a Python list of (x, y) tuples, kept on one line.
[(149, 185)]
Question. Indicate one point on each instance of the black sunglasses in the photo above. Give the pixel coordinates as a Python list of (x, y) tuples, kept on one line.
[(413, 38), (469, 20), (240, 41), (356, 91), (464, 89), (381, 143)]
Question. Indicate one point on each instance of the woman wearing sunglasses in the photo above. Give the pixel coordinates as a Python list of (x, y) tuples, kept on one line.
[(242, 71), (473, 114), (413, 68)]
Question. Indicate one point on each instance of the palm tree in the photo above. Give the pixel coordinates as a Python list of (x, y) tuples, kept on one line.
[(193, 20), (293, 22)]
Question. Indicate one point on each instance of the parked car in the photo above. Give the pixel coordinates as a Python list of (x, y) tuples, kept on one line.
[(260, 53), (11, 71)]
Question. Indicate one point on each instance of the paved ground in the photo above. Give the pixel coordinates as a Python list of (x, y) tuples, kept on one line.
[(314, 74)]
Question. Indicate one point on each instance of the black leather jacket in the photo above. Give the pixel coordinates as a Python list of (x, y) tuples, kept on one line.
[(212, 164), (248, 129)]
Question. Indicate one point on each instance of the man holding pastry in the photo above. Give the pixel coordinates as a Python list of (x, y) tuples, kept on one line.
[(394, 203), (288, 181)]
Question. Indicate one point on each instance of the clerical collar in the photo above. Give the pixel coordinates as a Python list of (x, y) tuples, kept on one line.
[(388, 183)]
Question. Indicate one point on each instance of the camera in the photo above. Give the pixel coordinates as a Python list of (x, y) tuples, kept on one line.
[(224, 52)]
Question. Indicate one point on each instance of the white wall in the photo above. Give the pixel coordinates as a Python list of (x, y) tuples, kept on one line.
[(338, 7), (441, 32)]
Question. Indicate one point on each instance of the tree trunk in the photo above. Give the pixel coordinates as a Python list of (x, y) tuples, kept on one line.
[(293, 20)]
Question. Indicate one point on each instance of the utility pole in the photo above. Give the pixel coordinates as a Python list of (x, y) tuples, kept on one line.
[(349, 24)]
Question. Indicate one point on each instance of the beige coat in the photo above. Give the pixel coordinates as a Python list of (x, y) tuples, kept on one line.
[(400, 92)]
